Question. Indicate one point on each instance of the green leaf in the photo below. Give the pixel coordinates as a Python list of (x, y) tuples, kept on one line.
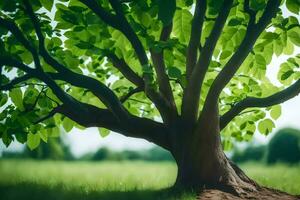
[(103, 132), (33, 141), (294, 36), (225, 54), (48, 4), (174, 72), (182, 25), (8, 5), (235, 22), (84, 45), (166, 10), (260, 60), (21, 137), (16, 97), (265, 126), (286, 75), (146, 19), (7, 139), (3, 99), (30, 96), (275, 112), (293, 6), (68, 124), (43, 135), (257, 5)]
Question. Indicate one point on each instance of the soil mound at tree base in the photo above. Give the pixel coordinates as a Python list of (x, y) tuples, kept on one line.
[(260, 194)]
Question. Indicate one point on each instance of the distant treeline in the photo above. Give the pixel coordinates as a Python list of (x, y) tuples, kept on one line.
[(284, 146), (56, 149), (153, 154)]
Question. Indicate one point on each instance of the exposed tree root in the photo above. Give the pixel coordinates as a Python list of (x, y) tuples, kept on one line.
[(262, 193), (240, 186)]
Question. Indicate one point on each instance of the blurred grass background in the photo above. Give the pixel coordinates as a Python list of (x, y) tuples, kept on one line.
[(51, 172), (31, 179)]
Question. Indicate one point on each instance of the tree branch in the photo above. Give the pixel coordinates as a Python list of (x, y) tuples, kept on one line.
[(230, 68), (250, 12), (195, 38), (120, 23), (160, 69), (192, 92), (130, 93), (55, 110), (134, 127), (162, 77), (251, 102), (16, 81), (38, 72), (99, 89), (5, 60), (128, 73), (85, 114)]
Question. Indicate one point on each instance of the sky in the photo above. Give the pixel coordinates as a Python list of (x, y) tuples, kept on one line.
[(89, 140)]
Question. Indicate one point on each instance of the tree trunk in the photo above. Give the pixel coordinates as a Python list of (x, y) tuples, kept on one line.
[(201, 161), (203, 166)]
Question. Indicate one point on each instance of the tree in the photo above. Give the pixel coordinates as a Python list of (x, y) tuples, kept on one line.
[(284, 147), (186, 75)]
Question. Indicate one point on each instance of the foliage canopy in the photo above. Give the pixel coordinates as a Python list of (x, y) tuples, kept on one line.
[(66, 63)]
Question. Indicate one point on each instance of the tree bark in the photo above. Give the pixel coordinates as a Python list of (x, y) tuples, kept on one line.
[(201, 161)]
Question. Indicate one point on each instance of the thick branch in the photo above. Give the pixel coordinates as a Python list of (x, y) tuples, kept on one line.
[(120, 23), (251, 102), (68, 100), (5, 60), (134, 127), (14, 29), (38, 72), (93, 116), (127, 72), (16, 81), (252, 34), (162, 77), (99, 89), (192, 93), (250, 12), (195, 38), (123, 25), (160, 69)]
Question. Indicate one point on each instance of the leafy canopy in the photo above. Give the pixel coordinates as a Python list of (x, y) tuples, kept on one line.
[(81, 40)]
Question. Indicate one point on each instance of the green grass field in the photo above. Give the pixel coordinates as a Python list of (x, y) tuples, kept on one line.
[(115, 180)]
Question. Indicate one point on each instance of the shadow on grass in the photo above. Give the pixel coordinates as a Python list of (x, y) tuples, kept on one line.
[(31, 191)]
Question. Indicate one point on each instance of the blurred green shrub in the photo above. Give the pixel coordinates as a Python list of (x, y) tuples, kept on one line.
[(250, 153), (54, 149), (153, 154), (284, 147)]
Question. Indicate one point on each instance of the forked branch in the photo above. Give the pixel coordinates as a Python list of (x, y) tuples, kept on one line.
[(196, 32), (192, 92), (251, 102), (231, 67)]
